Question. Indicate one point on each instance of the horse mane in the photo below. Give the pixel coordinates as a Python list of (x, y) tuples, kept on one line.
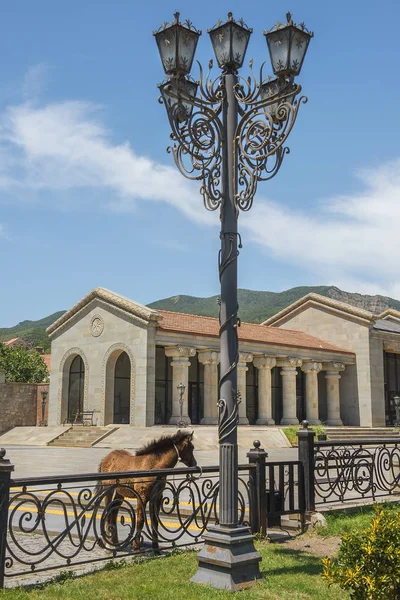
[(162, 444)]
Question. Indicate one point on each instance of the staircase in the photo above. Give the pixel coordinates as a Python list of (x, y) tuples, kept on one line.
[(362, 433), (80, 436)]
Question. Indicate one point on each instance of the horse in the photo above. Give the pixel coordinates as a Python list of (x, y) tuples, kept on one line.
[(163, 453)]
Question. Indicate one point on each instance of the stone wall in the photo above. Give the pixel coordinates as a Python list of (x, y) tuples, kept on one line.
[(18, 405)]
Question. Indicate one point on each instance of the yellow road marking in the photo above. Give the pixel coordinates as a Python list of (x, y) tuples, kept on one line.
[(71, 514)]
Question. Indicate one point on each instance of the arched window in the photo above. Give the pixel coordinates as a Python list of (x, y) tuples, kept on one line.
[(76, 387), (122, 389)]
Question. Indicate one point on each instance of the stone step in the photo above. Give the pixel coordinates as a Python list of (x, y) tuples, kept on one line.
[(81, 437), (361, 428)]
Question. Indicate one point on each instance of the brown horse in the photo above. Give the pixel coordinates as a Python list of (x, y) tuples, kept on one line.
[(163, 453)]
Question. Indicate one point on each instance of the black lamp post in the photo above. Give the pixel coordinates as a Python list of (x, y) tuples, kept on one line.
[(44, 394), (396, 402), (181, 389), (229, 133)]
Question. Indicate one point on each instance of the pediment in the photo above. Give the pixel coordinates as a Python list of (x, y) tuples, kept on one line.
[(340, 309), (115, 302)]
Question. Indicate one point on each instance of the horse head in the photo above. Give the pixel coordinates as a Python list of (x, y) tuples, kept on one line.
[(186, 450)]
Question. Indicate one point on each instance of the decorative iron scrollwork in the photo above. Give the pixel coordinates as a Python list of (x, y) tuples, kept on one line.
[(267, 112), (63, 526), (345, 472)]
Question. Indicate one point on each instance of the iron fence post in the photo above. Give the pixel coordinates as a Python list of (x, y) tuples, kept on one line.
[(306, 456), (6, 469), (257, 488)]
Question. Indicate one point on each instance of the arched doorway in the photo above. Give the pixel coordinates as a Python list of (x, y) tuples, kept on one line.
[(76, 387), (122, 389)]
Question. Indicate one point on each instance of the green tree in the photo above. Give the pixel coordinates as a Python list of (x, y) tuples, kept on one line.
[(21, 365)]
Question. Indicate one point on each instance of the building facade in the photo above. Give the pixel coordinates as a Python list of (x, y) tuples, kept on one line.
[(125, 361), (371, 382)]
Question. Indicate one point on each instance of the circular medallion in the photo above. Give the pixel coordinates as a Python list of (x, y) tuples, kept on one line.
[(96, 326)]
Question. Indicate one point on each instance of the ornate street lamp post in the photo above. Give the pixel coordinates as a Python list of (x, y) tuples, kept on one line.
[(229, 133), (44, 394)]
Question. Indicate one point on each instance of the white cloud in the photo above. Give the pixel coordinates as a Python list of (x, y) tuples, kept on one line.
[(351, 240), (65, 146), (348, 239)]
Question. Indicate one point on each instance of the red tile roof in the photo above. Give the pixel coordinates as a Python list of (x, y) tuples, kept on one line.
[(9, 342), (249, 332)]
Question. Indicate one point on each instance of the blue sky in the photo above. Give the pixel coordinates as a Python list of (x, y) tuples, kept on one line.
[(89, 197)]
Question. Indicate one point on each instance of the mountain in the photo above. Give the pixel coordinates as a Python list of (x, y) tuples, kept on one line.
[(254, 307), (31, 331), (257, 306)]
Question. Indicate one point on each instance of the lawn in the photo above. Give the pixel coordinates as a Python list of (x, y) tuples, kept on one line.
[(345, 521), (287, 574)]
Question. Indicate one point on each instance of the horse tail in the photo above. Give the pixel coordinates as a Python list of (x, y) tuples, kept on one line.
[(99, 487)]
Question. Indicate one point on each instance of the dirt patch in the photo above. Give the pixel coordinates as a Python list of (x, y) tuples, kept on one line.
[(314, 544)]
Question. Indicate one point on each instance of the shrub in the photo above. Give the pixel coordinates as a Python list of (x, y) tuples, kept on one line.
[(368, 563)]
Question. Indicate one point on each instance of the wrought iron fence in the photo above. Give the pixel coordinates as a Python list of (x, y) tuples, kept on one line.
[(350, 471), (65, 522), (57, 522)]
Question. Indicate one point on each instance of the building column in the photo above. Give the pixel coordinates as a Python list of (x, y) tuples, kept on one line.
[(244, 357), (264, 364), (311, 369), (180, 374), (332, 377), (289, 375), (210, 360)]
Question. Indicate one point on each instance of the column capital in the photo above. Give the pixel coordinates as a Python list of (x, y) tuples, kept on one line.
[(334, 369), (311, 367), (208, 357), (264, 362), (245, 357), (289, 363), (179, 351)]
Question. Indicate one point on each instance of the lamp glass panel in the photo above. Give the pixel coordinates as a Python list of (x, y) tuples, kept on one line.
[(240, 39), (221, 41), (269, 90), (275, 89), (279, 45), (166, 41), (298, 50), (187, 48), (190, 89), (173, 94)]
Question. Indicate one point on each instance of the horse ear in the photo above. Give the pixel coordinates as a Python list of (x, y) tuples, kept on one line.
[(191, 434)]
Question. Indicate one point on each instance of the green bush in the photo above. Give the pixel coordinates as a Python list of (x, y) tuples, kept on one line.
[(368, 562), (291, 432)]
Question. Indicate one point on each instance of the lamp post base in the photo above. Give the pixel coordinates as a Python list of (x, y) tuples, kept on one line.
[(177, 419), (228, 559)]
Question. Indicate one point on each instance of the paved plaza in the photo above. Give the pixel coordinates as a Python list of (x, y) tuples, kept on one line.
[(37, 461)]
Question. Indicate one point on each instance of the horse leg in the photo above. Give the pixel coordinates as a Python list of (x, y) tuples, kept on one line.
[(112, 520), (140, 510), (112, 504), (155, 506)]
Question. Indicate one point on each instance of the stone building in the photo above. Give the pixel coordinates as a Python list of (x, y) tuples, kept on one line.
[(124, 361), (370, 383)]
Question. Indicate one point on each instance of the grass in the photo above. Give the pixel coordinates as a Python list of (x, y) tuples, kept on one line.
[(292, 430), (287, 574), (342, 521)]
